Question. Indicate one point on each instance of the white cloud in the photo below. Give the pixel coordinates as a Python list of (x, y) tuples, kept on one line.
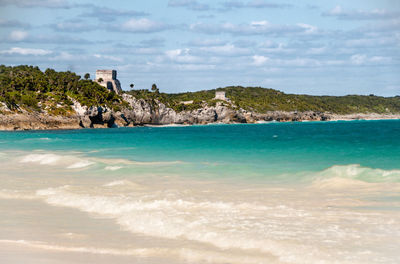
[(182, 56), (225, 50), (340, 13), (362, 59), (253, 4), (13, 23), (73, 26), (65, 56), (143, 25), (110, 14), (26, 51), (337, 10), (37, 3), (189, 4), (335, 62), (308, 29), (146, 51), (207, 42), (259, 60), (262, 23), (376, 41), (358, 59), (316, 51), (196, 67), (272, 47), (380, 59), (300, 62), (18, 35), (107, 57), (254, 28)]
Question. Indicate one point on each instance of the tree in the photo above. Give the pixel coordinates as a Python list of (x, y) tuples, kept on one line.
[(87, 76), (100, 80), (155, 89), (131, 85)]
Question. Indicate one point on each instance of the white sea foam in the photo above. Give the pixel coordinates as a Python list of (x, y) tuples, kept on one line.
[(118, 162), (44, 159), (282, 232), (80, 164), (339, 183), (113, 168), (187, 254), (16, 195), (118, 183), (69, 161), (138, 252), (315, 223), (355, 176)]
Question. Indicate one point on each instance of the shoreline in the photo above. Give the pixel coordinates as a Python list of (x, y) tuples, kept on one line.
[(72, 123)]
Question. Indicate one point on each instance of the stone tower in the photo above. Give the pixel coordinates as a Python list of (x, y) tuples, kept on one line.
[(110, 80), (220, 95)]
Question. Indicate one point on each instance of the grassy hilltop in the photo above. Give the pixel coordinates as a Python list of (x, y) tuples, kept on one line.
[(29, 88), (262, 100)]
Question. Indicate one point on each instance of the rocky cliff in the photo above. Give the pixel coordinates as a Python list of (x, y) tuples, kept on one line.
[(142, 112)]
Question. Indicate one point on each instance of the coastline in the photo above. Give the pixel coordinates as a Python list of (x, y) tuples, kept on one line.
[(37, 122), (361, 116)]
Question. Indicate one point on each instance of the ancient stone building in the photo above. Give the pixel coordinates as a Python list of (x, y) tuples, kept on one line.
[(220, 95), (109, 80)]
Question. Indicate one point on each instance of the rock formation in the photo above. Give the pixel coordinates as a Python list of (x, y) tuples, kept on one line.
[(142, 112)]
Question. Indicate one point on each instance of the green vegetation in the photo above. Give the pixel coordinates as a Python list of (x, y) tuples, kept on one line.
[(176, 101), (29, 88), (262, 100)]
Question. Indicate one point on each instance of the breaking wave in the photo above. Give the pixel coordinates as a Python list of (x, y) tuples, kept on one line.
[(43, 159), (355, 176), (357, 172), (73, 161), (224, 225), (80, 164)]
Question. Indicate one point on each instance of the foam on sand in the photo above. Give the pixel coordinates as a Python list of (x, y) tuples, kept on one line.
[(43, 159), (16, 195), (113, 168), (285, 231), (80, 164), (187, 254)]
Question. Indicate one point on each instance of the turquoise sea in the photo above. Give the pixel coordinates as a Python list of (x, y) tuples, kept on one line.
[(302, 192)]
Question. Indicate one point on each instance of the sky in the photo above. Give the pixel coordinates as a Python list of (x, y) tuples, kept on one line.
[(326, 47)]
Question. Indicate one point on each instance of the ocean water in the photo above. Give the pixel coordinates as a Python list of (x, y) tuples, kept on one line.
[(311, 192)]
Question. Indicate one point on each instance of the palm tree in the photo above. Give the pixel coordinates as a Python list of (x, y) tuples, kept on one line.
[(86, 76)]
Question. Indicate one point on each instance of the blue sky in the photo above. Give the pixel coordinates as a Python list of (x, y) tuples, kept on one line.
[(333, 47)]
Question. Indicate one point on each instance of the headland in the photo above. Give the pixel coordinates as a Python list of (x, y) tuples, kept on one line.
[(32, 99)]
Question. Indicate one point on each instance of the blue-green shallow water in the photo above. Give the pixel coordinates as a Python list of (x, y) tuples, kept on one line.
[(244, 151), (300, 193)]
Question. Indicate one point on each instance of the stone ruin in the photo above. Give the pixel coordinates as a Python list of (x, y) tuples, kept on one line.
[(220, 95), (109, 80)]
